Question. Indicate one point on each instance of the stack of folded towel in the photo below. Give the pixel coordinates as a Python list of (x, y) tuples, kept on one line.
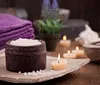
[(12, 28)]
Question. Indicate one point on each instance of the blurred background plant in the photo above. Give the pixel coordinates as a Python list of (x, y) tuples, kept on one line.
[(50, 25), (50, 11)]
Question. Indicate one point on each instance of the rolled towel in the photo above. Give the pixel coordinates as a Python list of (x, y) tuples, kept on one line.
[(9, 22)]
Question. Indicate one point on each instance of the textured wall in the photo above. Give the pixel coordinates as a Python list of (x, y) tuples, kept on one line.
[(33, 7), (80, 9)]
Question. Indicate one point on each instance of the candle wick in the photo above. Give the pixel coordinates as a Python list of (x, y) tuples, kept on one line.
[(58, 61)]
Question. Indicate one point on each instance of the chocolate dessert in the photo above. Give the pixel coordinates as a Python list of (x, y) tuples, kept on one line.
[(25, 58)]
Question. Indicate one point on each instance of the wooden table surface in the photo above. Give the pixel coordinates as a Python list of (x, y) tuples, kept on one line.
[(87, 75)]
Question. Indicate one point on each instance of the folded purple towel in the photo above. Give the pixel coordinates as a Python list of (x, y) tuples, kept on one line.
[(12, 28), (17, 31), (10, 22), (7, 38)]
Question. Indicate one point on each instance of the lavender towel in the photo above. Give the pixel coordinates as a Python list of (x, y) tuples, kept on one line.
[(10, 22), (12, 28), (5, 39), (18, 31)]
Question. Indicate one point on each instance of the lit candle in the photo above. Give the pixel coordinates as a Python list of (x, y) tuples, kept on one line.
[(65, 42), (79, 53), (59, 64), (69, 55)]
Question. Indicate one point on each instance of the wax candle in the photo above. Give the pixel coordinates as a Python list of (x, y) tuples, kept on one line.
[(69, 55), (65, 42), (79, 53), (59, 64)]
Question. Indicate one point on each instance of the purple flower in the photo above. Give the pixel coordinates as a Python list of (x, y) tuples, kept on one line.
[(46, 7), (46, 2), (55, 4), (55, 9)]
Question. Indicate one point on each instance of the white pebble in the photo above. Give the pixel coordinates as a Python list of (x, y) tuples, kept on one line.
[(37, 71), (33, 71), (19, 72), (40, 70), (52, 70), (25, 74)]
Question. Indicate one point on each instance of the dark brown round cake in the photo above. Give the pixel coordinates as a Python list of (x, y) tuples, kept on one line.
[(25, 59)]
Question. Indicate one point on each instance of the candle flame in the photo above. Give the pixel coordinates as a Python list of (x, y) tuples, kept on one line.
[(64, 37), (68, 51), (58, 58), (77, 48)]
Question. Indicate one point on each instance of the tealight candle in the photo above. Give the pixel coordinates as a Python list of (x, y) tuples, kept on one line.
[(69, 55), (78, 52), (65, 42), (59, 64)]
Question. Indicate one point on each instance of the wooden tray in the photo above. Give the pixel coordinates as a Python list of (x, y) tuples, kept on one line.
[(48, 74)]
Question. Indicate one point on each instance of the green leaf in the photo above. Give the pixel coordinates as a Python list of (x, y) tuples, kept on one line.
[(49, 26), (41, 23)]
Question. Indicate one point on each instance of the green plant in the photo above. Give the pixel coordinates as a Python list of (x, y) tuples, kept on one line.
[(49, 26)]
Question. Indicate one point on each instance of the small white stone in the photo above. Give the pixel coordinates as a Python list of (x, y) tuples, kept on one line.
[(19, 72), (33, 71), (37, 71), (25, 74), (52, 70), (40, 70)]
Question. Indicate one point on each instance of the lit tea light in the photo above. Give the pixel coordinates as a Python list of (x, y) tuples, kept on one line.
[(78, 52), (64, 37), (69, 55), (59, 64), (77, 48), (65, 42)]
